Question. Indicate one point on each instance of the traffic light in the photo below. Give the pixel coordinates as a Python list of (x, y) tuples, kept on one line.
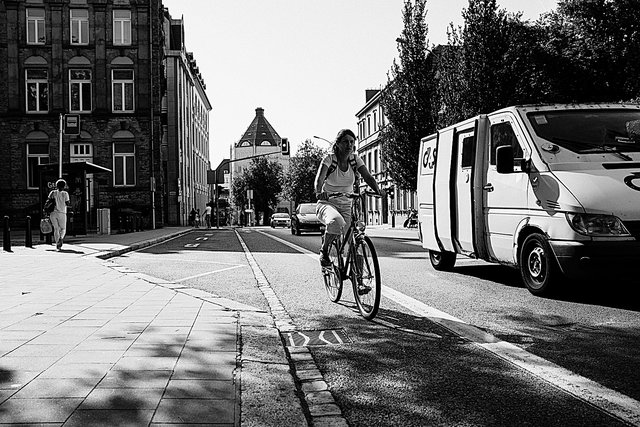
[(285, 146)]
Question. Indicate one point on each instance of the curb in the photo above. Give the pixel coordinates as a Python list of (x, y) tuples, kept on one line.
[(140, 245)]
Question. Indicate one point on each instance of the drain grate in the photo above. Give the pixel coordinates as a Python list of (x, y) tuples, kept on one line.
[(317, 337)]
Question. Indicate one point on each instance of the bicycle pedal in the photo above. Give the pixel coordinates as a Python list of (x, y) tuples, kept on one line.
[(364, 290)]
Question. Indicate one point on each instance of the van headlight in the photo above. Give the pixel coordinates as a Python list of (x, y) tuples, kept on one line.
[(597, 225)]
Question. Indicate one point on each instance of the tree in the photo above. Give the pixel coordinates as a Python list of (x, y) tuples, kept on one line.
[(406, 99), (595, 47), (264, 177), (299, 181), (493, 61)]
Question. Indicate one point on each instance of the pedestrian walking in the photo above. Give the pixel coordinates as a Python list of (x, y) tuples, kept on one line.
[(207, 215), (59, 215), (197, 221), (192, 217)]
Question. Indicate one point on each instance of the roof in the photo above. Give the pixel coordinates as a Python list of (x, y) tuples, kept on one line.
[(259, 133)]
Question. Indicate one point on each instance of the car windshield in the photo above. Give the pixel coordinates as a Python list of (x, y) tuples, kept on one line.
[(281, 215), (589, 131), (308, 209)]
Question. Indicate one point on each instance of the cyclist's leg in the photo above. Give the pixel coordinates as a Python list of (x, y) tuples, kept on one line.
[(329, 215)]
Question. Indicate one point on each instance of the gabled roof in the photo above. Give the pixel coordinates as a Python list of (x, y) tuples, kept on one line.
[(259, 133)]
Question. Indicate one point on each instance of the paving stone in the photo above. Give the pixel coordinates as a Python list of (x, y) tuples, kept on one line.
[(57, 388), (314, 386), (319, 397), (200, 389), (109, 418), (194, 411), (33, 411), (24, 363), (14, 380), (324, 410), (135, 379), (92, 356), (77, 370), (123, 398), (146, 363), (41, 350)]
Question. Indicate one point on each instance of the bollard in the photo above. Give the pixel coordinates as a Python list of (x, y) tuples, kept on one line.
[(27, 236), (6, 235)]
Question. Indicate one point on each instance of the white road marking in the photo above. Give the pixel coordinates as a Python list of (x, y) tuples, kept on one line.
[(208, 273), (610, 401), (192, 245)]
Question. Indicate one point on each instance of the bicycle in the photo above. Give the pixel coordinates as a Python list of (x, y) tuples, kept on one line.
[(359, 263)]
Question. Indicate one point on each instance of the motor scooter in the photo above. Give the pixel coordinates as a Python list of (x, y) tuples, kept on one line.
[(412, 219)]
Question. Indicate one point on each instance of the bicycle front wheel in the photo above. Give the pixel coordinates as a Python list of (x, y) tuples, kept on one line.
[(332, 276), (365, 277)]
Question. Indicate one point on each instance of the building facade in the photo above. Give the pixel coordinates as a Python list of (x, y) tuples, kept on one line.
[(102, 60), (185, 143), (371, 121), (260, 139)]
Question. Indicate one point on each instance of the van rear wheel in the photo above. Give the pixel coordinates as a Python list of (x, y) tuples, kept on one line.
[(442, 261), (538, 266)]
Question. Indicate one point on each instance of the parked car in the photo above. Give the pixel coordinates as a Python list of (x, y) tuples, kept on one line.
[(280, 220), (305, 219)]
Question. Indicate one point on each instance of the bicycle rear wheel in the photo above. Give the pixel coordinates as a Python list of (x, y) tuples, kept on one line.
[(331, 275), (365, 277)]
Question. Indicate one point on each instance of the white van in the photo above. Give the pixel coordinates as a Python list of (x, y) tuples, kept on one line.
[(550, 189)]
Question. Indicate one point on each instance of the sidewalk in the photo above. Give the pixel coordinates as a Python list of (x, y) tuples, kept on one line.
[(86, 342)]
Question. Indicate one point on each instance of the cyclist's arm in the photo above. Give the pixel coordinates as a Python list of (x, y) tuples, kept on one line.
[(369, 179), (319, 181)]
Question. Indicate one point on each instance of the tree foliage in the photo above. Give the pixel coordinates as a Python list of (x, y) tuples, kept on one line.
[(406, 99), (299, 181), (264, 177)]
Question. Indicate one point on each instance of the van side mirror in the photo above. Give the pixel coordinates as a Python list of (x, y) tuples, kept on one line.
[(504, 159)]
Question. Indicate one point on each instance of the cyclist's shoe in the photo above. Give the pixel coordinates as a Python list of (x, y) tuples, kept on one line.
[(324, 260), (363, 289)]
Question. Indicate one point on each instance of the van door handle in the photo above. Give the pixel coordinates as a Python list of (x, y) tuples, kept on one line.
[(488, 187)]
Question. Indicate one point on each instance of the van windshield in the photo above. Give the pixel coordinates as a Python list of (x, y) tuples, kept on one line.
[(589, 131)]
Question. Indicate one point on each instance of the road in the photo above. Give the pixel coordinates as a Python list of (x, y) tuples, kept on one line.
[(469, 347)]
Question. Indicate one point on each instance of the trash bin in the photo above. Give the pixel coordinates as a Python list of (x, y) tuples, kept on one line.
[(104, 221)]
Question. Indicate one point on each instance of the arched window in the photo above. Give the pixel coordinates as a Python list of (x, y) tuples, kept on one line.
[(122, 85)]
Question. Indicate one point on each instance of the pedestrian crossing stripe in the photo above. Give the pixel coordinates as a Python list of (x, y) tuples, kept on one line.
[(313, 338)]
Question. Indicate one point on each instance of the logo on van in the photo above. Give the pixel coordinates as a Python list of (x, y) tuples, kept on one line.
[(635, 176)]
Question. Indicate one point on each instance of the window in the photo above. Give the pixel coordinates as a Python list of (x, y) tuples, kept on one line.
[(37, 90), (122, 96), (467, 152), (79, 26), (37, 154), (124, 164), (80, 90), (503, 134), (121, 27), (81, 153), (35, 26)]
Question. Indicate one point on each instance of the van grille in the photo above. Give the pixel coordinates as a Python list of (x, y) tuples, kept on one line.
[(633, 227)]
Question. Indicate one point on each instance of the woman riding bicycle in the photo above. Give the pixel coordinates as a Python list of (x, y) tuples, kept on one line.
[(338, 173)]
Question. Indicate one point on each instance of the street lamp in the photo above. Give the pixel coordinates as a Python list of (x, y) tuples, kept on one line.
[(324, 139)]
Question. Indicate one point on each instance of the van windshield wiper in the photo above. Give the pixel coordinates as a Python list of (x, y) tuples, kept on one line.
[(609, 148)]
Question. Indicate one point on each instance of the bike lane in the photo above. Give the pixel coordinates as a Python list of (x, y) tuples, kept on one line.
[(404, 368)]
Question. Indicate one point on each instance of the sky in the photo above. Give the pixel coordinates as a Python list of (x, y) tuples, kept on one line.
[(306, 62)]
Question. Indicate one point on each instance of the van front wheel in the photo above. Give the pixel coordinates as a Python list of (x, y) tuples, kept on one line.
[(538, 266), (442, 261)]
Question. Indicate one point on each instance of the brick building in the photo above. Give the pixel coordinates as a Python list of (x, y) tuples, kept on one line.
[(104, 61)]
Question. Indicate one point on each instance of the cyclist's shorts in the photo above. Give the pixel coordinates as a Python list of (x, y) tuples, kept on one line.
[(334, 214)]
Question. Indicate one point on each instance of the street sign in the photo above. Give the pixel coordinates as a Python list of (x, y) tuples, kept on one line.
[(72, 124)]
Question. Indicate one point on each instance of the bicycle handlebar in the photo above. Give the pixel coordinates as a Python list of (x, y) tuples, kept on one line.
[(354, 195)]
